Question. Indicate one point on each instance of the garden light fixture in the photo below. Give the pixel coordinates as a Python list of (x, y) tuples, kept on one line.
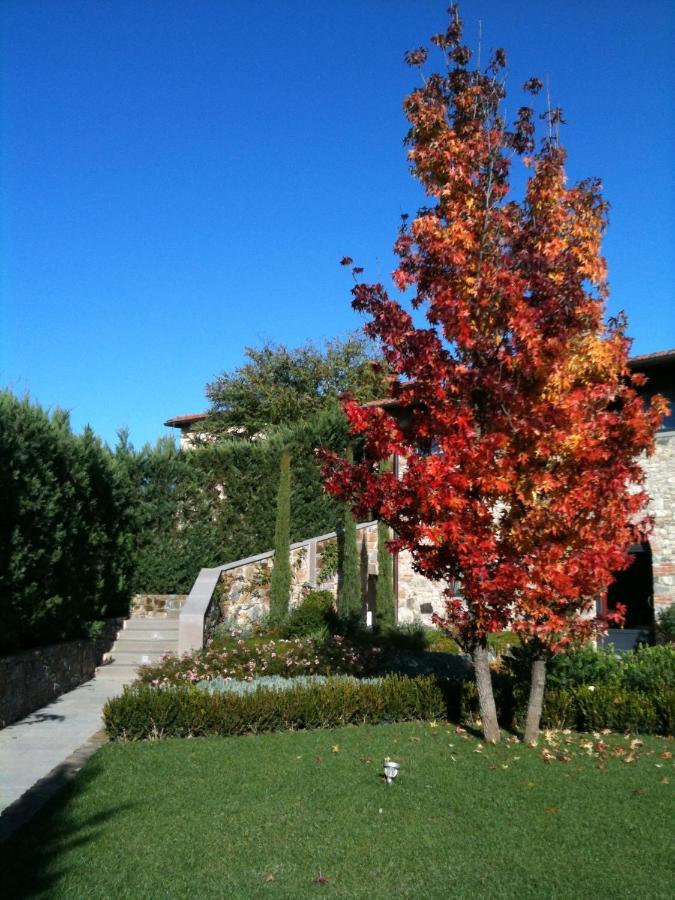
[(390, 770)]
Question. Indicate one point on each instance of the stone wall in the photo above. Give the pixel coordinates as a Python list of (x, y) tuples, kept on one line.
[(34, 678), (156, 606), (418, 597), (660, 469), (243, 591)]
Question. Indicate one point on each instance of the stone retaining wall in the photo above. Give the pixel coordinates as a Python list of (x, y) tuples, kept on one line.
[(243, 591), (34, 678), (156, 606)]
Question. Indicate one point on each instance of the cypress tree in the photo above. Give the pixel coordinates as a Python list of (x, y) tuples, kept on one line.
[(349, 595), (385, 613), (280, 588), (384, 595)]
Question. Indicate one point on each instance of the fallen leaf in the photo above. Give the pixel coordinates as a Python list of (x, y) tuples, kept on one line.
[(433, 724), (666, 754), (321, 879), (414, 740), (664, 780), (479, 749), (336, 748), (552, 810), (365, 759), (269, 878), (318, 759)]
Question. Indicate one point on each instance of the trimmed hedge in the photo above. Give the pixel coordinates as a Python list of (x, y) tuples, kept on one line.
[(581, 708), (143, 712), (65, 554), (216, 503)]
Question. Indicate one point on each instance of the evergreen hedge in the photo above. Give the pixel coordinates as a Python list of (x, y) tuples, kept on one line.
[(143, 712), (217, 503), (65, 550)]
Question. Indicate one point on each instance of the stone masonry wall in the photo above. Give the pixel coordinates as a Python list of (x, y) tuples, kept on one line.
[(243, 591), (418, 597), (660, 469), (34, 678), (156, 606)]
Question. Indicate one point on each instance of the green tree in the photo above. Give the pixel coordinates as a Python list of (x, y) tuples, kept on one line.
[(64, 527), (384, 595), (280, 588), (385, 612), (349, 570), (279, 386)]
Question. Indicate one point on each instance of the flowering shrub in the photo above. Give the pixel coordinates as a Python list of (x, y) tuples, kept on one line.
[(244, 660)]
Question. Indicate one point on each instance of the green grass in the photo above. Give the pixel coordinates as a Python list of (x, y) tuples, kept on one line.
[(264, 816)]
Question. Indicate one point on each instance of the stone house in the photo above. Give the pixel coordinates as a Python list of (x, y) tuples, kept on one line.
[(645, 588)]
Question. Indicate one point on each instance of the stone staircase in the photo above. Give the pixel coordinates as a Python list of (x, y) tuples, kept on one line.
[(142, 639)]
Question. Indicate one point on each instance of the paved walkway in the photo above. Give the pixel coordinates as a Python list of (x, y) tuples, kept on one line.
[(35, 746), (43, 751)]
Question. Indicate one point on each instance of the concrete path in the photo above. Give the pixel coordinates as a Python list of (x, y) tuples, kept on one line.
[(32, 747), (37, 752)]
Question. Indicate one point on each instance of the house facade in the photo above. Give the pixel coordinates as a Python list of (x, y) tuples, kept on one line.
[(645, 588)]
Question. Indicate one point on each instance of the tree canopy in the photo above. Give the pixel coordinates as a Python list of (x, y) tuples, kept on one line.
[(279, 386), (517, 383)]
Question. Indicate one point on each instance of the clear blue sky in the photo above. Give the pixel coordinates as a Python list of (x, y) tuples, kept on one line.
[(179, 179)]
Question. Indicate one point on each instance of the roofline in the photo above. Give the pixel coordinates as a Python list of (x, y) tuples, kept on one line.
[(648, 360), (186, 421)]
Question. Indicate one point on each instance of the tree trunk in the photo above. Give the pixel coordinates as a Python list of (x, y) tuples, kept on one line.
[(536, 701), (486, 697)]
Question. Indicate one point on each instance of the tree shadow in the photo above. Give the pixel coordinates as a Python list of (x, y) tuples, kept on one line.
[(32, 857)]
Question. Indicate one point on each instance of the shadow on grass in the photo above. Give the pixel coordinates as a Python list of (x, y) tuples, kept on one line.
[(31, 858)]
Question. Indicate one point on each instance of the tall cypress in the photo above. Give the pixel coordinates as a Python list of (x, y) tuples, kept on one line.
[(349, 594), (384, 594), (280, 588), (385, 612)]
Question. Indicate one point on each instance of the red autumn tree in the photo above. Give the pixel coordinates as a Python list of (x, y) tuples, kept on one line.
[(523, 428)]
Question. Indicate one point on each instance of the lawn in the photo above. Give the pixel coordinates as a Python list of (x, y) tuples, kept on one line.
[(307, 814)]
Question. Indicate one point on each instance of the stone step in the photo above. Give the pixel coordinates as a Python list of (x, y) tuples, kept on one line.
[(117, 672), (122, 645), (132, 657), (167, 615), (150, 625), (162, 635)]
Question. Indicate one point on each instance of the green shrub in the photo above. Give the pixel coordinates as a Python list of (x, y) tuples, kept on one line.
[(280, 585), (665, 625), (315, 613), (65, 555), (145, 713), (648, 668), (616, 708)]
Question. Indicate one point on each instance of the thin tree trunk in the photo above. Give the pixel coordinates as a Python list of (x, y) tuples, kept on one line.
[(486, 697), (536, 701)]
